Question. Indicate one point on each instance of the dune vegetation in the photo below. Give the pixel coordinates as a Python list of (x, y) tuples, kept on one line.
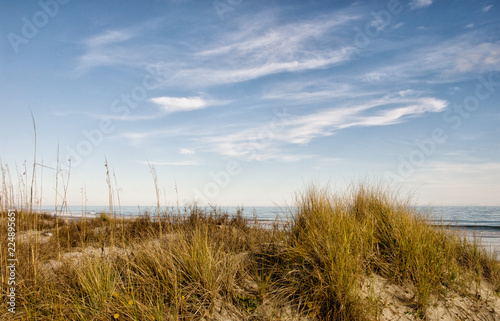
[(361, 255)]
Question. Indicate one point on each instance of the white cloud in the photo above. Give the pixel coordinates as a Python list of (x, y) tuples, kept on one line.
[(264, 48), (108, 37), (177, 104), (322, 89), (257, 47), (487, 8), (277, 42), (186, 151), (101, 50), (406, 93), (376, 77), (324, 123), (448, 61), (256, 141), (234, 74), (454, 58), (397, 26), (483, 57), (116, 47), (139, 138), (416, 4)]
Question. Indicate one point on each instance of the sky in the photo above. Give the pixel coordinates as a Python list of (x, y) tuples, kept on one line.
[(238, 102)]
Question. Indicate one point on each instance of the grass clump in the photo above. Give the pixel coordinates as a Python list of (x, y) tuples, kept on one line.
[(208, 265), (334, 243), (328, 255)]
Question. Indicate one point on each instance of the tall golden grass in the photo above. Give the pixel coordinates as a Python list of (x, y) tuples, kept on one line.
[(206, 264)]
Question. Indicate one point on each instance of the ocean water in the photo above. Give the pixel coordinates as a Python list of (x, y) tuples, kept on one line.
[(475, 222), (262, 213)]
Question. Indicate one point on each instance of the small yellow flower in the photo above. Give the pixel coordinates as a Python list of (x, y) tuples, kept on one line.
[(182, 297), (130, 302), (116, 316)]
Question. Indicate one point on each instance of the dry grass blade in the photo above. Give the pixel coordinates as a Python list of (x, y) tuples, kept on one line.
[(208, 264)]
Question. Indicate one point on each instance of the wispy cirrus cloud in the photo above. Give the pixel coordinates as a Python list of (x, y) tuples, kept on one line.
[(257, 141), (258, 46), (223, 74), (278, 41), (109, 37), (483, 57), (103, 49), (176, 104), (140, 137), (186, 151), (261, 47), (166, 105), (417, 4), (170, 104), (487, 8), (381, 112), (264, 48), (300, 94), (116, 47), (458, 58), (462, 55)]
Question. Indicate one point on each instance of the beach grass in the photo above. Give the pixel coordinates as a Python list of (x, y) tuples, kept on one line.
[(208, 265)]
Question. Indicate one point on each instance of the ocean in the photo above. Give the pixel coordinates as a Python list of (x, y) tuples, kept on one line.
[(480, 222), (475, 222)]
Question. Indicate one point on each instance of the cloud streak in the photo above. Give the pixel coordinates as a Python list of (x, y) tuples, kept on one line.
[(487, 8), (169, 104), (417, 4), (262, 49), (177, 104), (259, 47), (103, 49), (116, 47), (217, 75), (264, 141), (449, 61)]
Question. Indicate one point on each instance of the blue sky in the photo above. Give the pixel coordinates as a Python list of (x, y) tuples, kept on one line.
[(238, 102)]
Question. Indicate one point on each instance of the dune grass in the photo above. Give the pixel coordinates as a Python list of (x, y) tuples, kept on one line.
[(207, 265)]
